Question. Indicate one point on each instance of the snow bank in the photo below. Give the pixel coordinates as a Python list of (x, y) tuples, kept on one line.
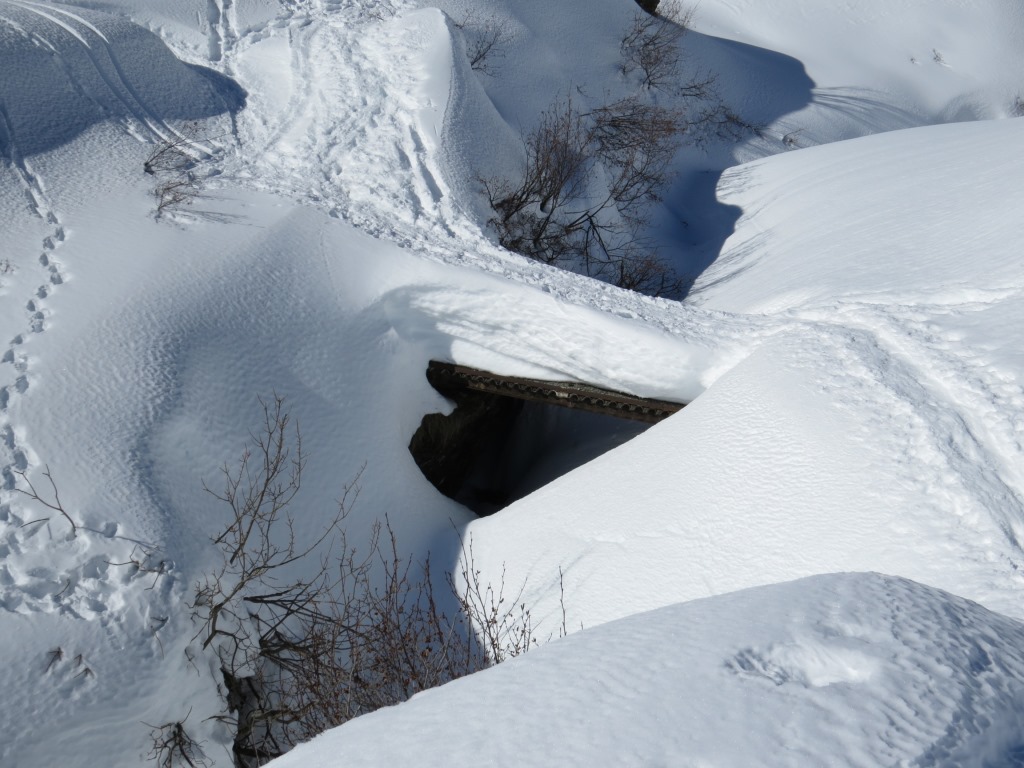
[(853, 365), (922, 215), (878, 66), (135, 376), (858, 670)]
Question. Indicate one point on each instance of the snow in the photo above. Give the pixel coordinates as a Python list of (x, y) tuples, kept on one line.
[(879, 66), (844, 669), (960, 250), (850, 357), (63, 71)]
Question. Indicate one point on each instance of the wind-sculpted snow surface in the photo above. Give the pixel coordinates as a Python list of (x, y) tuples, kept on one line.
[(854, 670), (924, 235), (156, 381), (880, 66)]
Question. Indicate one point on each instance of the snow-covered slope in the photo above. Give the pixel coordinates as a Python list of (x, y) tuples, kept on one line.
[(62, 70), (875, 423), (880, 66)]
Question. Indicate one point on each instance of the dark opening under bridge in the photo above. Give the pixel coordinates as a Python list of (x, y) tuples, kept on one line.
[(471, 454)]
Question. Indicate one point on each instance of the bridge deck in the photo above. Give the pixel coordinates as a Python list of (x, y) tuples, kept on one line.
[(447, 378)]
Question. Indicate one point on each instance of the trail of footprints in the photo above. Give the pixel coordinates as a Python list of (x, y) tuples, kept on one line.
[(36, 321), (45, 566), (25, 584)]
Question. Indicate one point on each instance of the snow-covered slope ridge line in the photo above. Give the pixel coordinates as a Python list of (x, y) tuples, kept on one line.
[(854, 670)]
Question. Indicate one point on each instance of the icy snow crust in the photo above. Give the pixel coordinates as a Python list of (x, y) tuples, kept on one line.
[(852, 356)]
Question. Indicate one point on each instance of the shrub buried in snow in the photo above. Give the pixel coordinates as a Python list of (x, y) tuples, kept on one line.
[(306, 640), (583, 200), (588, 180)]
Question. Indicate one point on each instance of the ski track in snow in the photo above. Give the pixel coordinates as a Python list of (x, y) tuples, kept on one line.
[(103, 58)]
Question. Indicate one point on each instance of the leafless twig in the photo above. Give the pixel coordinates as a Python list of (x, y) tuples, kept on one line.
[(364, 631), (173, 747), (485, 41), (56, 505)]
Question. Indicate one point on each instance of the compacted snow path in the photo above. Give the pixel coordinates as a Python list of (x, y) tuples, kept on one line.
[(357, 131), (970, 408)]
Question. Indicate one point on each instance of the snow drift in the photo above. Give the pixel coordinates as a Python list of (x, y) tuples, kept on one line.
[(852, 361), (854, 669)]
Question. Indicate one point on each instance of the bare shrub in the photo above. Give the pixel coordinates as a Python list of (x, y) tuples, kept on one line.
[(300, 654), (502, 626), (173, 163), (583, 199), (174, 194), (652, 48), (173, 747), (245, 607), (652, 45), (387, 637), (589, 178), (486, 40), (55, 504), (379, 10)]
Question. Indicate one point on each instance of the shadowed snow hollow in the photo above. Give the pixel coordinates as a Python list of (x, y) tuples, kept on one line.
[(63, 70)]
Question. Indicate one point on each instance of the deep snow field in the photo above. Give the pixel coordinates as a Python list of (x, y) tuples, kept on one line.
[(851, 349)]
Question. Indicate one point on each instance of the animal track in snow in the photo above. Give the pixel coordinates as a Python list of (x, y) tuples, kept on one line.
[(47, 568), (811, 664), (71, 672)]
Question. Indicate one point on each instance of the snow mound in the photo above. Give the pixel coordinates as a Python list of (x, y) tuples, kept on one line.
[(877, 66), (62, 70), (844, 669), (837, 221)]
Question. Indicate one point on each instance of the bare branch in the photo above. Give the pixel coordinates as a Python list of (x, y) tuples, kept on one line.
[(173, 163), (586, 185), (56, 505), (485, 40), (345, 637), (652, 47), (173, 747)]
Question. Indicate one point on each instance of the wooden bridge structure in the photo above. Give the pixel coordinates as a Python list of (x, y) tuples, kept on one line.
[(450, 379)]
